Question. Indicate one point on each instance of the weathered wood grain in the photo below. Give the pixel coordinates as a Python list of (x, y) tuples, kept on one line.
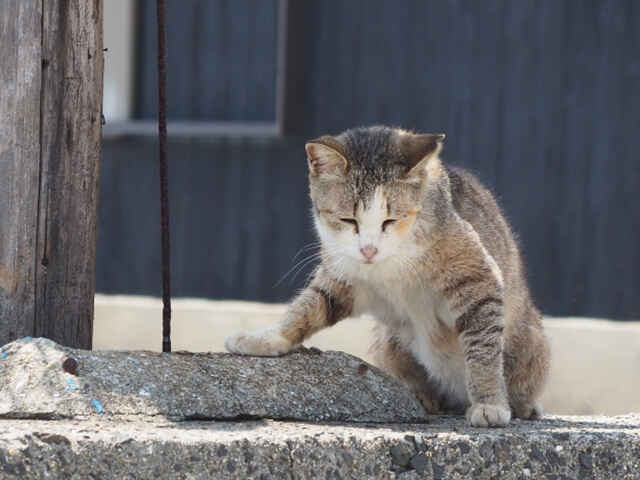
[(51, 116), (71, 110), (20, 78)]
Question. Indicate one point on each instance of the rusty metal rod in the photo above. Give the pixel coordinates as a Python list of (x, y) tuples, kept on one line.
[(164, 181)]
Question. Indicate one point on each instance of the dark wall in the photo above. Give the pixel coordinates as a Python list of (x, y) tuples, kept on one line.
[(221, 58), (500, 75), (541, 99), (239, 214)]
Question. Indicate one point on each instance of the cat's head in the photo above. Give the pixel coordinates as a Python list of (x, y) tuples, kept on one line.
[(368, 187)]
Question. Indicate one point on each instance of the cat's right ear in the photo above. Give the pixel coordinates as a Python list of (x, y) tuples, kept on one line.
[(418, 149), (325, 158)]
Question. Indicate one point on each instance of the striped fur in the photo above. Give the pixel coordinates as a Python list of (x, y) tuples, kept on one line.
[(446, 284)]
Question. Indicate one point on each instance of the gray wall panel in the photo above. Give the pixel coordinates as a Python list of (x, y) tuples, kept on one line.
[(221, 59), (239, 214)]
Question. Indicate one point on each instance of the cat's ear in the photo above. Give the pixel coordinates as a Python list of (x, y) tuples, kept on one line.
[(418, 149), (325, 156)]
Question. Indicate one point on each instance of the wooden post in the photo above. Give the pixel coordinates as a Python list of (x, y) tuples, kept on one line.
[(50, 127)]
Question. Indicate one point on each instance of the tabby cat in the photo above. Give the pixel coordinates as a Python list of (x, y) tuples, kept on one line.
[(424, 249)]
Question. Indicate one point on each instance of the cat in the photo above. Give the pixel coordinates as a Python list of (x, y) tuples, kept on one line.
[(425, 249)]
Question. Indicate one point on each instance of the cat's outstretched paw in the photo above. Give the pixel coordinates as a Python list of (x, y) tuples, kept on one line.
[(485, 415), (264, 343)]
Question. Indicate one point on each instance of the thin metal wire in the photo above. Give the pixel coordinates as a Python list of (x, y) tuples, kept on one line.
[(164, 182)]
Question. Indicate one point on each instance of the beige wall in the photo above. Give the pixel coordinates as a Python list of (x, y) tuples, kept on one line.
[(118, 59), (596, 363)]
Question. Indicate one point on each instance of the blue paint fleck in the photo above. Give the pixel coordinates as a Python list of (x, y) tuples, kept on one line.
[(135, 361), (3, 354), (97, 405), (71, 384), (25, 339)]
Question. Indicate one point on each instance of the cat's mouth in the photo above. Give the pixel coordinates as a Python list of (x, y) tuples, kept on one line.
[(370, 261)]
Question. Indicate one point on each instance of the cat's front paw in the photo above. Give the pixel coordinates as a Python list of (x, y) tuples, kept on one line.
[(486, 415), (264, 343), (429, 402), (528, 411)]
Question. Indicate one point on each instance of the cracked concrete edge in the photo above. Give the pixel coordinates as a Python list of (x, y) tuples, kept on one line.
[(558, 447), (305, 385)]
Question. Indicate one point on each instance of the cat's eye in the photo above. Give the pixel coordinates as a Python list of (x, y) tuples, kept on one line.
[(350, 221), (388, 222)]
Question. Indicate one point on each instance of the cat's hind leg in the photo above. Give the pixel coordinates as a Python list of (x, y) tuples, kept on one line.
[(527, 359), (390, 355), (322, 304)]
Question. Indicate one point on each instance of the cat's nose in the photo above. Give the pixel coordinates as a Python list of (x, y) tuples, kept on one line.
[(369, 251)]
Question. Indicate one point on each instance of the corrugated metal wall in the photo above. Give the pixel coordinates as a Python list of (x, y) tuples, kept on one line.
[(221, 57), (540, 98)]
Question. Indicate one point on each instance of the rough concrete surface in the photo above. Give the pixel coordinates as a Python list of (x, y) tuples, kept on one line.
[(305, 385), (141, 415), (557, 448)]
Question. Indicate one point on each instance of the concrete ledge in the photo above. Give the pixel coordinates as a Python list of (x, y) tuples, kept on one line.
[(554, 448), (68, 413), (41, 379)]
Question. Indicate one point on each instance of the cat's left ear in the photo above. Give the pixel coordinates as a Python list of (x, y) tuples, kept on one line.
[(418, 149), (325, 156)]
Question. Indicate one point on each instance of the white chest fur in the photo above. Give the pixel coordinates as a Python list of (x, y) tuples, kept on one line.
[(413, 313)]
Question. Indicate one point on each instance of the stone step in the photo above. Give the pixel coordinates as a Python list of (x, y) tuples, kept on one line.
[(553, 448), (307, 385)]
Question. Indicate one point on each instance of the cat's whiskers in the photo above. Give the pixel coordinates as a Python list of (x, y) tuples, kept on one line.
[(308, 246), (335, 263), (326, 253), (303, 263), (299, 266)]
